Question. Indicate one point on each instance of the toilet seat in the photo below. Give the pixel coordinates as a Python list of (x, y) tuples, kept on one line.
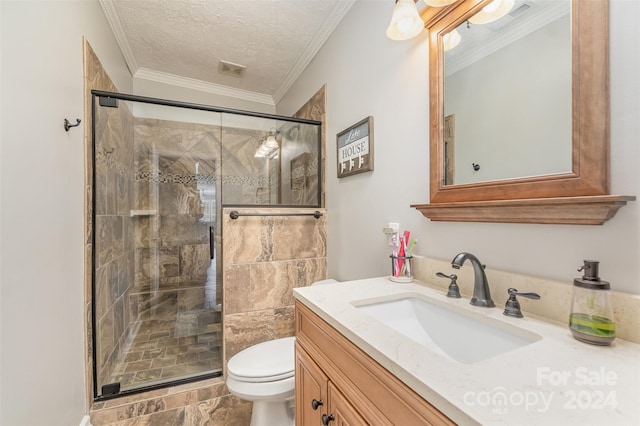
[(265, 362)]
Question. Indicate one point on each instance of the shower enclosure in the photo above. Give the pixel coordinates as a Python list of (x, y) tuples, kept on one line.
[(162, 171)]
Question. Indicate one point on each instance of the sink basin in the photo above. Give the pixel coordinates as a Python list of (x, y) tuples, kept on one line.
[(463, 336)]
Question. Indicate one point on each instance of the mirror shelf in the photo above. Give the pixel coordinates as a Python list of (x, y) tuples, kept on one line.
[(580, 196), (593, 210)]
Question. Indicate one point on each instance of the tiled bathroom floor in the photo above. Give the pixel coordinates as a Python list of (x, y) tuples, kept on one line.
[(164, 350)]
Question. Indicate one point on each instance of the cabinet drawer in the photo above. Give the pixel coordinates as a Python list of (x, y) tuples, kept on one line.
[(379, 396)]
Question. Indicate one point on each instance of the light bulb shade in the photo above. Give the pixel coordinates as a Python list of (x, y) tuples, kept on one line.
[(451, 40), (264, 150), (405, 21), (492, 12), (271, 142), (439, 3)]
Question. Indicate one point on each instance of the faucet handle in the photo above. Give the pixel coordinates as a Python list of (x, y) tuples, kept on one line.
[(454, 290), (512, 307)]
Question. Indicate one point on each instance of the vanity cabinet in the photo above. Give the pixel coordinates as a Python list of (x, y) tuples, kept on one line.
[(339, 384)]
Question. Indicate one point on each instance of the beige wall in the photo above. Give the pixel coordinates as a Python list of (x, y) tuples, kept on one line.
[(42, 199)]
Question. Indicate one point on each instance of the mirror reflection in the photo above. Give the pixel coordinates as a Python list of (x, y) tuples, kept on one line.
[(507, 94)]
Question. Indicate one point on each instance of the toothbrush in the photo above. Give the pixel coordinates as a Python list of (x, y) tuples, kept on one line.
[(394, 241), (411, 247), (405, 251), (410, 254), (400, 270)]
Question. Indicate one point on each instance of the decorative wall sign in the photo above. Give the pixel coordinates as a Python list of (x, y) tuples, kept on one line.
[(355, 148)]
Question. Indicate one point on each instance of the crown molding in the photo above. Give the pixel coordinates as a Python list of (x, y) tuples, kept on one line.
[(116, 27), (203, 86), (520, 29), (329, 24), (318, 40)]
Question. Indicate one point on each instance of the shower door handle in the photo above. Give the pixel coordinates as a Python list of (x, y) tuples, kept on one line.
[(212, 242)]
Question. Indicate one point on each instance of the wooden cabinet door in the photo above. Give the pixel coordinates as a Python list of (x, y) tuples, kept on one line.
[(340, 411), (311, 390)]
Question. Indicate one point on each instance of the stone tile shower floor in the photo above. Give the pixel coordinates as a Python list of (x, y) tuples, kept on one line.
[(164, 350)]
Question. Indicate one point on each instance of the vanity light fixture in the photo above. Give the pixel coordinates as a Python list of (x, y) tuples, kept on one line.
[(268, 146), (492, 12), (270, 141), (262, 150), (451, 40), (405, 21)]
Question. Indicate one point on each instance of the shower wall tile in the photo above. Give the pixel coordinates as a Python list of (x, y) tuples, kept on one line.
[(192, 299), (272, 283), (247, 243), (204, 403), (104, 239), (194, 260), (176, 230), (106, 340), (265, 239), (248, 328), (179, 199), (157, 262), (285, 321), (162, 305), (113, 197), (304, 238), (260, 272), (238, 278), (103, 295), (315, 109)]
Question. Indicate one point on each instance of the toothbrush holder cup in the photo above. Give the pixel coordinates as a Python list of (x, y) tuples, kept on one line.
[(401, 269)]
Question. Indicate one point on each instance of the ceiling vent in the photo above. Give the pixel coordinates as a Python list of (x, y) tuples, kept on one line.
[(519, 10), (229, 68)]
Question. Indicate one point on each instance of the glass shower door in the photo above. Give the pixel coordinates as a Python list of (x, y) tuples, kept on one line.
[(157, 298)]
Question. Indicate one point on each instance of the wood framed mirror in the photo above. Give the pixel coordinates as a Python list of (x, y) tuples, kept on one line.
[(580, 194)]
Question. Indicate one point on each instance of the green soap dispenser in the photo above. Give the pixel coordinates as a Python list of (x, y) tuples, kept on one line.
[(591, 320)]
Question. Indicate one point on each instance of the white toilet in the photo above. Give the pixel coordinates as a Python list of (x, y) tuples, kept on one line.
[(264, 374)]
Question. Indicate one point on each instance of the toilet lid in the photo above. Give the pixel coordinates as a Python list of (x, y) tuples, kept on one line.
[(264, 362)]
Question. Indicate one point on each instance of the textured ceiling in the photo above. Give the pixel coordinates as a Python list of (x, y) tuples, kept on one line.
[(184, 40)]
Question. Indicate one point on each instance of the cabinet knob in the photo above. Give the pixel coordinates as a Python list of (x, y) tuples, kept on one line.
[(315, 404), (327, 419)]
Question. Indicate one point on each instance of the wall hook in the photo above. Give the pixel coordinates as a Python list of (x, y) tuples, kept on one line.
[(476, 167), (68, 125)]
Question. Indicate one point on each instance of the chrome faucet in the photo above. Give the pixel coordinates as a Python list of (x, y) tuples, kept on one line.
[(481, 293)]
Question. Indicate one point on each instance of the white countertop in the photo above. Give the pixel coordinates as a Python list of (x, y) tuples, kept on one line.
[(554, 381)]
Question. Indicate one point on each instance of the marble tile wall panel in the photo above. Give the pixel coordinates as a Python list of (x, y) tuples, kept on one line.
[(249, 328), (181, 230), (157, 262), (210, 407), (260, 274), (113, 194), (261, 239), (192, 299), (195, 260), (305, 238), (161, 305), (315, 109), (269, 285)]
